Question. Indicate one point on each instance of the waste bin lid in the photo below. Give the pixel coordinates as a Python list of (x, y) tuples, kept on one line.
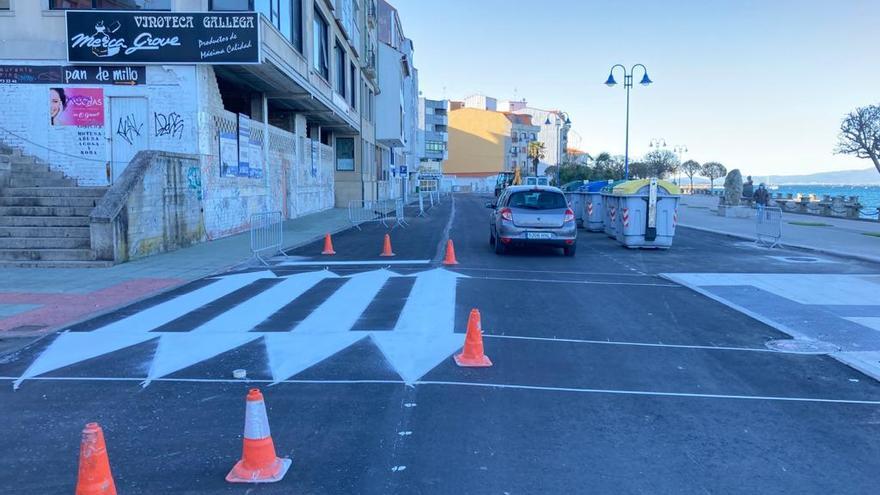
[(634, 187), (610, 186), (596, 185)]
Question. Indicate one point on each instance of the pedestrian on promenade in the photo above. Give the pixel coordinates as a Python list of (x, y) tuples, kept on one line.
[(762, 197), (748, 188)]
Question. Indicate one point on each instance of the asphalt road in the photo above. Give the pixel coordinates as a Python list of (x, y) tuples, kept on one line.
[(607, 379)]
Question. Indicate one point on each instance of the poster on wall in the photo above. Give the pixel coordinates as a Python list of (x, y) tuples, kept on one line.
[(77, 107), (256, 160), (228, 154), (244, 148), (315, 158)]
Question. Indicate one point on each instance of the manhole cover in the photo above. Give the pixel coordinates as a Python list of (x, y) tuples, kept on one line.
[(802, 346)]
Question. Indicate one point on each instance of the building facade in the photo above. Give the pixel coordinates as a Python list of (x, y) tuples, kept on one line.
[(433, 135), (275, 99), (553, 132)]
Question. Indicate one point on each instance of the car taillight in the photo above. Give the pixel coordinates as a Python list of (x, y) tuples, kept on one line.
[(569, 215), (506, 214)]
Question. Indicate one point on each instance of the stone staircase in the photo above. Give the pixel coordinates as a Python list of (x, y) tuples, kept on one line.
[(44, 216)]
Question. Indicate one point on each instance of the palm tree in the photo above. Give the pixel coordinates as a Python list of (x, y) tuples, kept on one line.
[(536, 153)]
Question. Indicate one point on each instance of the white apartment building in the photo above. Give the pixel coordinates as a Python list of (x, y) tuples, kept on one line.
[(553, 133), (396, 104), (274, 99), (433, 135)]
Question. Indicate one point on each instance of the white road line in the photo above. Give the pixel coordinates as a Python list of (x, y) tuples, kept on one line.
[(654, 394), (472, 384), (582, 282), (511, 270), (354, 263), (634, 344)]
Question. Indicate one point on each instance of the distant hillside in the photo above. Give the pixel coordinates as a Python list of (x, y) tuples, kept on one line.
[(846, 177)]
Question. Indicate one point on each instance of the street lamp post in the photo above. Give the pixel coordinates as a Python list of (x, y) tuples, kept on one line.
[(680, 150), (627, 83)]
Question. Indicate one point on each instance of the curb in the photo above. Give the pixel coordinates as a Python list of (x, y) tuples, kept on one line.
[(832, 252)]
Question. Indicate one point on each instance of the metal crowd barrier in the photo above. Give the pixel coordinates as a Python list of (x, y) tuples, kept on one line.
[(768, 228), (267, 235), (381, 211)]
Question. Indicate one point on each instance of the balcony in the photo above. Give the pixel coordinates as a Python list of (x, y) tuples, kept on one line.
[(434, 119)]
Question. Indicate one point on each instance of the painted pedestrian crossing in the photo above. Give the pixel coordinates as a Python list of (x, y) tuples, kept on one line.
[(301, 318)]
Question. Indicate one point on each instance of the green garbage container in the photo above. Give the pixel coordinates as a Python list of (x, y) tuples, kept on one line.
[(647, 211)]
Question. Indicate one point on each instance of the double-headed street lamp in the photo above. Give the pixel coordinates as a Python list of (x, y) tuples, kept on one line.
[(627, 83), (657, 143), (680, 150)]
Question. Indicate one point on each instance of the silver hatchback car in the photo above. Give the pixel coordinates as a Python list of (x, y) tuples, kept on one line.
[(532, 215)]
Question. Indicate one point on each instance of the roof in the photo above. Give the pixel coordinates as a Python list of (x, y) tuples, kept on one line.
[(519, 118)]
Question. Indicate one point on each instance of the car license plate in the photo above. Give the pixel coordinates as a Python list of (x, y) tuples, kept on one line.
[(539, 235)]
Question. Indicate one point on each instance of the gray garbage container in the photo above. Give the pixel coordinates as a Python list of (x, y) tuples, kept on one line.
[(647, 213), (576, 203), (609, 219)]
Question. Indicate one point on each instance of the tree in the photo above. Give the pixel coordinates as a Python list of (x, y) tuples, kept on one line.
[(607, 167), (660, 163), (691, 168), (860, 134), (536, 153), (639, 170), (712, 171)]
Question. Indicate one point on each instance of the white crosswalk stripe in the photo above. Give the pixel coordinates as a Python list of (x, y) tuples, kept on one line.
[(424, 333)]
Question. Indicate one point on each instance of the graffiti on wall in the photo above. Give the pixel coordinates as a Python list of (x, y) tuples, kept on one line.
[(128, 128), (168, 124)]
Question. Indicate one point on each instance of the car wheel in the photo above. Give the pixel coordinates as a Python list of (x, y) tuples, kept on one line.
[(570, 250), (500, 248), (491, 238)]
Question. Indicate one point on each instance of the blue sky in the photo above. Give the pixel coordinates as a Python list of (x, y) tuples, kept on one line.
[(757, 85)]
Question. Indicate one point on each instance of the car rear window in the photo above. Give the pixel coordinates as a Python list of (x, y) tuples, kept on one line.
[(537, 200)]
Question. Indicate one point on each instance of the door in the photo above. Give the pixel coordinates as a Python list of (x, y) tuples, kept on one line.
[(130, 131)]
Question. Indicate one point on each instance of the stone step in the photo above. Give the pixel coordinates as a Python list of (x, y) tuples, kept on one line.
[(55, 264), (36, 174), (44, 211), (43, 221), (71, 232), (15, 181), (47, 255), (44, 243), (47, 201), (80, 191), (18, 167)]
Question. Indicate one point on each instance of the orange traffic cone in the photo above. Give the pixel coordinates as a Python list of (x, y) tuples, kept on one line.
[(450, 254), (472, 355), (328, 245), (94, 465), (386, 247), (258, 463)]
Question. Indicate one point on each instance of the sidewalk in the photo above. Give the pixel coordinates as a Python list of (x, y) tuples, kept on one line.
[(35, 301), (840, 237)]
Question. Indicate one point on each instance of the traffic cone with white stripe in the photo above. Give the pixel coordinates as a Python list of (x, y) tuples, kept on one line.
[(258, 463), (94, 465), (472, 355)]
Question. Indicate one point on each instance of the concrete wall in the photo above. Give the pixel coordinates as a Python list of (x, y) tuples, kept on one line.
[(170, 91), (478, 141)]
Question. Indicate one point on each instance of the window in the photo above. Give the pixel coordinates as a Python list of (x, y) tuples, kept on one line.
[(352, 78), (320, 53), (435, 146), (4, 4), (271, 9), (345, 154), (339, 56), (537, 200), (107, 4), (232, 5), (296, 24), (371, 102)]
